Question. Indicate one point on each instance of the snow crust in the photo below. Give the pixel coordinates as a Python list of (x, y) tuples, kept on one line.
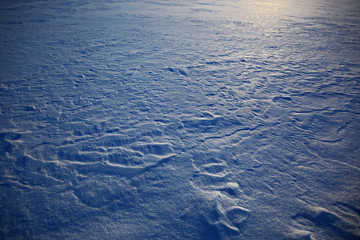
[(179, 119)]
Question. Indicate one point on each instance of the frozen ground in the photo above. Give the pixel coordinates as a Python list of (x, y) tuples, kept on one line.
[(194, 119)]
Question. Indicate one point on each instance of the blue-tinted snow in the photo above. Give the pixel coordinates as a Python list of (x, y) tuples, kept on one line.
[(180, 119)]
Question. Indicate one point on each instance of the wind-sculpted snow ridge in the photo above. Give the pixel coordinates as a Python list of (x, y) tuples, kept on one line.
[(341, 224), (197, 120)]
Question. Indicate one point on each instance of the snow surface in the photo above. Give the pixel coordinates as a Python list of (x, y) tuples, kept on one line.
[(193, 119)]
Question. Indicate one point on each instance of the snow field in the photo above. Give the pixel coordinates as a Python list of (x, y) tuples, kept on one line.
[(167, 120)]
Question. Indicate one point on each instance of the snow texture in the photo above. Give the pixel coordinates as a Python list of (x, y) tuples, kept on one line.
[(193, 119)]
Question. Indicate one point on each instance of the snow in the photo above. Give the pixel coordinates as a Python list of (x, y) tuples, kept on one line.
[(179, 120)]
